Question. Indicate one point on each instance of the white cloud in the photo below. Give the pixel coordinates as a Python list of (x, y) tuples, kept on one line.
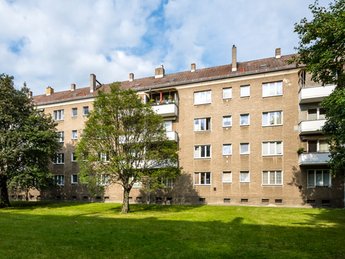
[(49, 42)]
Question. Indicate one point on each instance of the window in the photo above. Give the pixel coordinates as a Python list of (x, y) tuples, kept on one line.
[(202, 124), (73, 157), (272, 118), (245, 90), (244, 177), (316, 114), (58, 115), (61, 135), (272, 178), (203, 178), (244, 149), (104, 179), (227, 93), (74, 134), (59, 158), (168, 126), (318, 145), (227, 149), (244, 119), (59, 180), (86, 110), (227, 121), (202, 97), (104, 157), (74, 112), (74, 179), (227, 177), (319, 177), (271, 148), (202, 151), (272, 89)]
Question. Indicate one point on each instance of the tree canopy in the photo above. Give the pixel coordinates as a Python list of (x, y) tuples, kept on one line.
[(124, 142), (322, 50), (27, 140)]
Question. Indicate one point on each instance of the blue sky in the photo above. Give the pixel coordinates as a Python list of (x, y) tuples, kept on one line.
[(56, 43)]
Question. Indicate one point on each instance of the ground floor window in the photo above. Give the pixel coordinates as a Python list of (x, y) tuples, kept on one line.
[(318, 177), (203, 178), (272, 178), (74, 179), (59, 180)]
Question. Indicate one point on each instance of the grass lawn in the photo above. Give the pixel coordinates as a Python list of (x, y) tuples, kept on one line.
[(97, 230)]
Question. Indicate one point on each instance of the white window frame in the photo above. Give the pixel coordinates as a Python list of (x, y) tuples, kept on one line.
[(227, 179), (272, 178), (199, 150), (227, 150), (314, 180), (203, 97), (168, 126), (225, 119), (200, 178), (318, 114), (241, 116), (202, 122), (103, 157), (86, 108), (59, 179), (246, 152), (244, 90), (72, 179), (59, 159), (73, 157), (272, 89), (74, 134), (318, 144), (103, 180), (227, 93), (58, 115), (74, 112), (61, 136), (247, 180), (268, 116), (272, 146)]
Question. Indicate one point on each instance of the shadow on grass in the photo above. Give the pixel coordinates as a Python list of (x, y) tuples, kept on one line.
[(154, 237), (137, 208)]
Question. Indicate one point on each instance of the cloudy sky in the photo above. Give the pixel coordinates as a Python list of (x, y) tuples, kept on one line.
[(59, 42)]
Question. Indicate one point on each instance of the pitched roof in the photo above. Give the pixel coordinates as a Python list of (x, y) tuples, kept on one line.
[(181, 78)]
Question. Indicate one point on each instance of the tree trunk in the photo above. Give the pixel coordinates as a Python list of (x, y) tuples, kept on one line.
[(125, 202), (4, 200)]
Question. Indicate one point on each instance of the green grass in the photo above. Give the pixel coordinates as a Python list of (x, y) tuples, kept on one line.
[(96, 230)]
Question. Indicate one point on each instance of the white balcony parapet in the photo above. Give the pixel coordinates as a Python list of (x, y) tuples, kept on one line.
[(166, 110), (314, 158), (312, 126), (172, 135), (315, 94)]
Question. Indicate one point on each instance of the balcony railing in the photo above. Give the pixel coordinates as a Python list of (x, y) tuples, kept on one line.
[(172, 135), (315, 94), (166, 110), (314, 158), (311, 127)]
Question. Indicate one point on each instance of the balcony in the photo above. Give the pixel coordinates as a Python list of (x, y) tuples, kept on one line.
[(314, 158), (166, 110), (311, 127), (172, 135), (315, 94)]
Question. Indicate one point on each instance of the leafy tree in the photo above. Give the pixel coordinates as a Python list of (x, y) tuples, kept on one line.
[(27, 140), (124, 142), (322, 50)]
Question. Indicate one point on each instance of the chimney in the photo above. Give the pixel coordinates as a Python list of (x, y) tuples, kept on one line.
[(192, 67), (49, 90), (73, 87), (131, 77), (278, 53), (92, 83), (159, 72), (234, 59)]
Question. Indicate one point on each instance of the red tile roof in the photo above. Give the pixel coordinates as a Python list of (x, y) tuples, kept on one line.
[(180, 78)]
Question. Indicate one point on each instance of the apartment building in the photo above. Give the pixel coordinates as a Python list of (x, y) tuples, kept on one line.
[(248, 133)]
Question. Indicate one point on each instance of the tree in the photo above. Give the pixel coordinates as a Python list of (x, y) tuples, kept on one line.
[(28, 140), (124, 142), (322, 50)]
